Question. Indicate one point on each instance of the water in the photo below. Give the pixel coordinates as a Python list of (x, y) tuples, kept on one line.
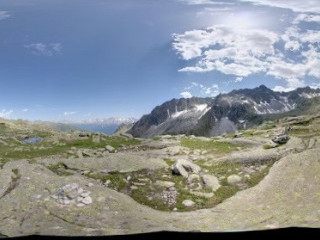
[(32, 140)]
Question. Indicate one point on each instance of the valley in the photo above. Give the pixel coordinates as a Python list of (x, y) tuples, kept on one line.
[(82, 183)]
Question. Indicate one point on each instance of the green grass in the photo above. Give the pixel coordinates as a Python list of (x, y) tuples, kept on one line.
[(60, 169), (168, 161), (267, 146), (9, 153), (220, 168), (211, 146), (256, 177)]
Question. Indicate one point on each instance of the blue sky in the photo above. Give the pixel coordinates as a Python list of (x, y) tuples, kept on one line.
[(81, 59)]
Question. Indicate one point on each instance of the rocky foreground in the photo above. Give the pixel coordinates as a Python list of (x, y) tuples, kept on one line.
[(78, 183)]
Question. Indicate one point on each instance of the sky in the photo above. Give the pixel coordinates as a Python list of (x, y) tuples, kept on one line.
[(82, 59)]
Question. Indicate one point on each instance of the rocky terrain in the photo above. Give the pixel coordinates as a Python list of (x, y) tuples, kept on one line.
[(81, 183)]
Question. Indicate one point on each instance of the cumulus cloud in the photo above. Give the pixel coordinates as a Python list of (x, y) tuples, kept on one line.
[(226, 49), (69, 113), (294, 5), (186, 94), (4, 15), (246, 52), (306, 18), (25, 110), (41, 49), (4, 113)]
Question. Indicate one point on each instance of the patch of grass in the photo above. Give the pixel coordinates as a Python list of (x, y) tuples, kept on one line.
[(168, 161), (117, 181), (10, 152), (256, 177), (221, 168), (60, 169), (211, 146), (267, 146)]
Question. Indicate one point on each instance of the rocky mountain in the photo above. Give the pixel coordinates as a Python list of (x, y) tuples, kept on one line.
[(239, 109)]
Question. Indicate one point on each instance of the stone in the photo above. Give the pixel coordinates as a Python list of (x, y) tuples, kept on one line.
[(188, 203), (80, 204), (90, 184), (193, 178), (87, 200), (183, 167), (79, 154), (70, 187), (281, 139), (237, 135), (173, 151), (202, 194), (234, 179), (165, 184), (196, 152), (211, 182), (85, 193), (110, 149), (96, 138)]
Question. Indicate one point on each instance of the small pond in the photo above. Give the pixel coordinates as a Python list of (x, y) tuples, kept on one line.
[(32, 140)]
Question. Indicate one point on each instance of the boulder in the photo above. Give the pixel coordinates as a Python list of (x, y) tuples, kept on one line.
[(165, 184), (234, 179), (281, 139), (188, 203), (211, 182), (110, 149), (183, 167)]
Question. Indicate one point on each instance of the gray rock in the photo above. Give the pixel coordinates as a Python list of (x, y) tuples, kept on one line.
[(188, 203), (110, 149), (183, 167), (165, 184), (234, 179), (281, 139), (87, 200), (211, 182), (79, 154)]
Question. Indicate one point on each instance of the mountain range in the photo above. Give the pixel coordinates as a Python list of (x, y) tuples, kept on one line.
[(225, 113)]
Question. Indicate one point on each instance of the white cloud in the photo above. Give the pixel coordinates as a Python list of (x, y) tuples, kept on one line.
[(4, 15), (306, 18), (282, 89), (25, 110), (239, 79), (69, 113), (246, 52), (186, 94), (211, 91), (42, 49), (4, 113), (294, 5), (226, 49), (214, 11)]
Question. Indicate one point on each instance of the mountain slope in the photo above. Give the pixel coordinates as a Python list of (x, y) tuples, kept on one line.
[(239, 109)]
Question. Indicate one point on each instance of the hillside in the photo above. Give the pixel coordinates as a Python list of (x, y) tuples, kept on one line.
[(237, 110)]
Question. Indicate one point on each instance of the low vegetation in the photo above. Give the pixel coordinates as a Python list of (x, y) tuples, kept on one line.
[(212, 146)]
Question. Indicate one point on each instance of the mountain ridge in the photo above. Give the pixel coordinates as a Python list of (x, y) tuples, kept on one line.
[(228, 112)]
